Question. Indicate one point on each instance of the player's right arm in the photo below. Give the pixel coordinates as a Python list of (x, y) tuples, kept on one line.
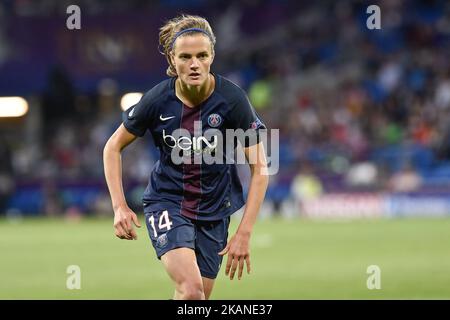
[(112, 161)]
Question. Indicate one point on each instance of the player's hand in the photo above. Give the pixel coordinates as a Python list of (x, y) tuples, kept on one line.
[(123, 216), (238, 249)]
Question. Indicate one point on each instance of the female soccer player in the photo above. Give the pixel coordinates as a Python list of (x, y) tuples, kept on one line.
[(187, 205)]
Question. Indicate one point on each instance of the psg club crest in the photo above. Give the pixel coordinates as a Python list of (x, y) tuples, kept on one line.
[(214, 120), (162, 240)]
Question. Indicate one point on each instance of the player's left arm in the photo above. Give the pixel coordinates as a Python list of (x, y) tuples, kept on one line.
[(238, 248)]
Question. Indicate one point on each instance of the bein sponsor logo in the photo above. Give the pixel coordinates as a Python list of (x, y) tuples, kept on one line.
[(186, 143), (213, 146)]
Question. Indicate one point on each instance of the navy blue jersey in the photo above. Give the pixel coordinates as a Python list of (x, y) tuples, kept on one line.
[(199, 191)]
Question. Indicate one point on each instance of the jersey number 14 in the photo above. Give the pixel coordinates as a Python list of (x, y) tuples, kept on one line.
[(164, 222)]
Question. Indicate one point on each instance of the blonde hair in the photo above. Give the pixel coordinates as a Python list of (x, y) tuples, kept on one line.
[(168, 31)]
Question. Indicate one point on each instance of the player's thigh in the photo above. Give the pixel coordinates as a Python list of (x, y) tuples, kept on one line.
[(181, 265), (208, 285)]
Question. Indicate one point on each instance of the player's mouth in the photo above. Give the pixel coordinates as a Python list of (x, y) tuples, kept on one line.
[(194, 75)]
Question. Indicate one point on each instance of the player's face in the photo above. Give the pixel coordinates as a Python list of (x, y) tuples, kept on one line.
[(193, 58)]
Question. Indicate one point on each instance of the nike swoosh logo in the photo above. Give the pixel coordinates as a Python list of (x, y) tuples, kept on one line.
[(131, 113), (166, 118)]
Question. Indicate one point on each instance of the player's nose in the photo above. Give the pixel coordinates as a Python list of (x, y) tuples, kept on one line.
[(194, 64)]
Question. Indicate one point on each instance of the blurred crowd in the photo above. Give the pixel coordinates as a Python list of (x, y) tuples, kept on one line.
[(357, 109)]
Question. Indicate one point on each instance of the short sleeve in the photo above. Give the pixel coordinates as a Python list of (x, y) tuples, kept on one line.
[(243, 116), (137, 119)]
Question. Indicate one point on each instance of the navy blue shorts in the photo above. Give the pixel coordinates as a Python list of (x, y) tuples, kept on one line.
[(170, 230)]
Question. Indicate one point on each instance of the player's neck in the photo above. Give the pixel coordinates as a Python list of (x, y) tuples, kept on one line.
[(192, 96)]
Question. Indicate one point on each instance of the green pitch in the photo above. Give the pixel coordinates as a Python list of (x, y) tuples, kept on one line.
[(291, 259)]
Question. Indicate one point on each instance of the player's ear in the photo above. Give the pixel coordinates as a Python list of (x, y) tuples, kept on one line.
[(212, 56), (172, 58)]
